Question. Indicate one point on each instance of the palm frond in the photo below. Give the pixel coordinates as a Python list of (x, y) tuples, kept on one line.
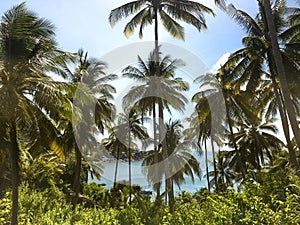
[(243, 19), (125, 10), (174, 28)]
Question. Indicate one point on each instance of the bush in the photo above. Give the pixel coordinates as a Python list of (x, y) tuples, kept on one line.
[(271, 201)]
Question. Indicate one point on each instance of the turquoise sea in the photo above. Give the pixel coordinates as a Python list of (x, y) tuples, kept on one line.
[(138, 177)]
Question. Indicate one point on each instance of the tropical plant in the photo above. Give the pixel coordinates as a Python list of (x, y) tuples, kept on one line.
[(222, 176), (92, 87), (29, 97), (257, 141), (179, 161), (250, 62), (132, 128), (147, 11), (114, 145), (200, 130), (164, 90), (42, 171), (205, 120), (281, 72)]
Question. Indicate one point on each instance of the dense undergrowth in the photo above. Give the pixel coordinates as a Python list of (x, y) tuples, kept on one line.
[(272, 198)]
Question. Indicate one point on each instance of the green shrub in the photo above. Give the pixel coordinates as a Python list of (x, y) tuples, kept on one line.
[(258, 203)]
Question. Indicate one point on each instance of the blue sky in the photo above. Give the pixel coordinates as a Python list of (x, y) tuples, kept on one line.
[(85, 24)]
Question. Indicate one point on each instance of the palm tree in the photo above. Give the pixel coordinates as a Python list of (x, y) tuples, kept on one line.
[(147, 11), (281, 73), (235, 110), (179, 159), (29, 97), (114, 145), (249, 61), (131, 128), (257, 139), (164, 90), (92, 83), (200, 127), (222, 175)]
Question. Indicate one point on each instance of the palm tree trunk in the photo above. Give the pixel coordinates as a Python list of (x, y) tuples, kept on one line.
[(206, 166), (214, 162), (292, 153), (157, 184), (116, 168), (156, 40), (76, 184), (168, 175), (172, 196), (284, 122), (280, 102), (15, 174), (129, 165), (281, 72), (240, 163)]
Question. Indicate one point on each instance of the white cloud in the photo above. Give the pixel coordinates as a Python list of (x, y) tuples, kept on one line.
[(220, 62)]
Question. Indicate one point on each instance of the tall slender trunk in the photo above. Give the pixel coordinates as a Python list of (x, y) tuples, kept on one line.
[(156, 40), (214, 163), (206, 166), (14, 149), (222, 175), (280, 102), (15, 174), (76, 184), (172, 205), (284, 122), (129, 165), (168, 176), (116, 168), (240, 163), (281, 72), (157, 184)]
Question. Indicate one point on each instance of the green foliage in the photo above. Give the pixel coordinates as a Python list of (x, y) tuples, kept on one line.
[(50, 207), (275, 199), (129, 216), (41, 171), (97, 193)]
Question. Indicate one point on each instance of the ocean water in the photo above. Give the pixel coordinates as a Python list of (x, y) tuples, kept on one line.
[(138, 177)]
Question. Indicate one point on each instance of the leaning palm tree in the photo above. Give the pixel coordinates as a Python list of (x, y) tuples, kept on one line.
[(248, 63), (281, 73), (92, 83), (31, 101), (270, 16)]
